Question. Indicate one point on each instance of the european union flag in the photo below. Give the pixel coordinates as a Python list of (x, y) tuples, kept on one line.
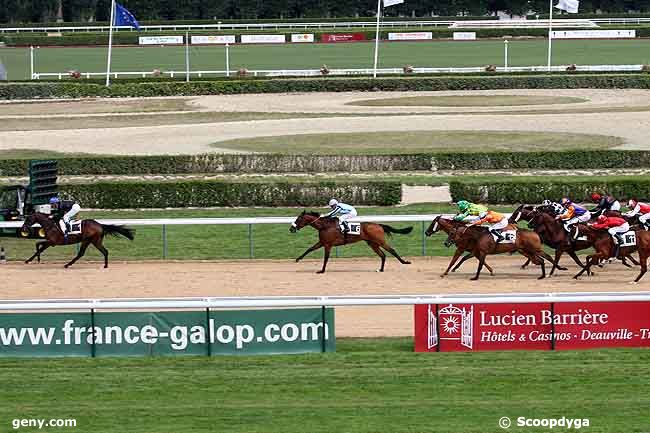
[(125, 18)]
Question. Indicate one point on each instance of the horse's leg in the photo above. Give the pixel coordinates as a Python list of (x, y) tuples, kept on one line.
[(39, 250), (643, 261), (469, 256), (481, 261), (633, 260), (390, 249), (82, 251), (100, 246), (314, 247), (525, 265), (587, 268), (457, 254), (541, 258), (325, 259), (379, 252), (556, 264)]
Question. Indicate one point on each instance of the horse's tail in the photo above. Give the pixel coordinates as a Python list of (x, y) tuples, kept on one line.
[(388, 230), (118, 231)]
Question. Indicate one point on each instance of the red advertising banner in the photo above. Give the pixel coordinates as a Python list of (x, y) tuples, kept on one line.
[(540, 326), (342, 37)]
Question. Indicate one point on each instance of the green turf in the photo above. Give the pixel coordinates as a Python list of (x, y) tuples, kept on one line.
[(468, 101), (352, 55), (392, 142), (368, 385)]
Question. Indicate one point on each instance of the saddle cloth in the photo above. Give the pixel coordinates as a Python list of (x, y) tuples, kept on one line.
[(353, 229), (629, 239), (75, 227), (510, 237)]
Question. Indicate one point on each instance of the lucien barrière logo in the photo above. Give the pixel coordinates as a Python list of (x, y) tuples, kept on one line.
[(451, 323)]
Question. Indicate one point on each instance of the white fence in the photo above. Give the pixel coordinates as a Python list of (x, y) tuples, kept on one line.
[(343, 72), (314, 301), (337, 25)]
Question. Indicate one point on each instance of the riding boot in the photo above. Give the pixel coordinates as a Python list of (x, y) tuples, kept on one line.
[(498, 234), (619, 239)]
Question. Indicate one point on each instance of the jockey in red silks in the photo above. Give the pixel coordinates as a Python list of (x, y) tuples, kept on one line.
[(615, 226), (639, 208)]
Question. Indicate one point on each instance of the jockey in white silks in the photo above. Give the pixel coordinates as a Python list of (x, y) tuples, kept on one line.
[(343, 212)]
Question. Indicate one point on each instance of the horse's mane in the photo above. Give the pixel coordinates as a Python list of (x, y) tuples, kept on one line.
[(312, 213)]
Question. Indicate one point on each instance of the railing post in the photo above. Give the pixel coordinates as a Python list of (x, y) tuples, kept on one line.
[(424, 240), (164, 239), (250, 242)]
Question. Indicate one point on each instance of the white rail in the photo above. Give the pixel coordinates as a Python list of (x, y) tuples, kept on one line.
[(225, 221), (315, 301), (358, 71)]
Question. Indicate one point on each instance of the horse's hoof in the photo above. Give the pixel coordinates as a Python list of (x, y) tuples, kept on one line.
[(407, 263), (562, 269), (541, 277), (297, 260), (66, 266), (443, 275), (320, 272), (492, 274), (634, 282), (473, 279), (523, 267)]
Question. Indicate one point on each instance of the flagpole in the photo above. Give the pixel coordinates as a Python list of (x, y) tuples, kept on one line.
[(110, 44), (374, 70), (550, 32), (187, 57)]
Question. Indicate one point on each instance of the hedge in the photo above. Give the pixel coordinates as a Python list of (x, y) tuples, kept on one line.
[(126, 195), (526, 191), (69, 89)]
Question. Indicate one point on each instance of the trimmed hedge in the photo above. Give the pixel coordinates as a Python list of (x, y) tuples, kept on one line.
[(266, 163), (526, 191), (69, 89), (126, 195)]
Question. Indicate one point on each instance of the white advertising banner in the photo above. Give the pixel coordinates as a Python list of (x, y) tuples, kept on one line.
[(464, 36), (221, 39), (303, 37), (593, 34), (263, 39), (413, 36), (160, 40)]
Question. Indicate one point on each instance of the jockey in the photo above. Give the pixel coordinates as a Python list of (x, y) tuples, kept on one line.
[(615, 226), (639, 208), (558, 209), (343, 211), (605, 203), (64, 210), (469, 212), (497, 223), (574, 213)]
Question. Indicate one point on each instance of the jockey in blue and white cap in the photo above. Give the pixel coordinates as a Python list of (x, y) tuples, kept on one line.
[(71, 209), (342, 211)]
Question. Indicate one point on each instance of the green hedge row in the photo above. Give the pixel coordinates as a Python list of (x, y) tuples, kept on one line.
[(126, 195), (69, 89), (526, 191), (265, 163), (131, 38)]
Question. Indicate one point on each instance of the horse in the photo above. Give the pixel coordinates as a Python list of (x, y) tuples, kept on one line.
[(466, 243), (92, 232), (330, 235), (527, 243), (605, 248)]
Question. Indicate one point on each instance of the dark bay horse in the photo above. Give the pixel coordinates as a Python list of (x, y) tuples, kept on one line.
[(605, 248), (463, 243), (330, 235), (92, 232)]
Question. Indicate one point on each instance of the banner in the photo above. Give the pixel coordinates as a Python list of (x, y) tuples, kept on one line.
[(263, 39), (304, 37), (593, 34), (413, 36), (342, 37), (560, 326), (167, 333), (464, 36), (221, 39), (160, 40)]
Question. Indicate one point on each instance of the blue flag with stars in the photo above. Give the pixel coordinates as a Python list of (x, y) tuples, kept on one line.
[(125, 18)]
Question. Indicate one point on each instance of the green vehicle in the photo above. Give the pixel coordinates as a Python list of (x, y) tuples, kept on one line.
[(18, 201)]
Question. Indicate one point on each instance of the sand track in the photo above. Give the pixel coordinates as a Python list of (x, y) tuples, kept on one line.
[(275, 278)]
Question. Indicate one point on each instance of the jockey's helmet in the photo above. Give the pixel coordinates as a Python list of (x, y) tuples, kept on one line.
[(55, 200), (462, 205), (595, 197), (547, 202), (602, 219), (334, 202), (632, 203), (565, 201)]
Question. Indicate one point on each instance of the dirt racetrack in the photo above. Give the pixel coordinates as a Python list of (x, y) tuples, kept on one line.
[(270, 277)]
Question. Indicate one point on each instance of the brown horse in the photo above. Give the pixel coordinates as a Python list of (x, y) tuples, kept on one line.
[(465, 243), (92, 232), (330, 235), (605, 248), (526, 243)]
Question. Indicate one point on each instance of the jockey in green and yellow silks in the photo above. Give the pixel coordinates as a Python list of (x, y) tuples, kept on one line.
[(469, 212)]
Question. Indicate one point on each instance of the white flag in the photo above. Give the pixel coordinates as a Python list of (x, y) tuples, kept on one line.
[(571, 6), (392, 2)]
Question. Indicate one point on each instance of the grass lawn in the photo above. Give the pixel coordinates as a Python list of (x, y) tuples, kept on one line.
[(368, 385), (350, 55), (407, 142), (468, 101)]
